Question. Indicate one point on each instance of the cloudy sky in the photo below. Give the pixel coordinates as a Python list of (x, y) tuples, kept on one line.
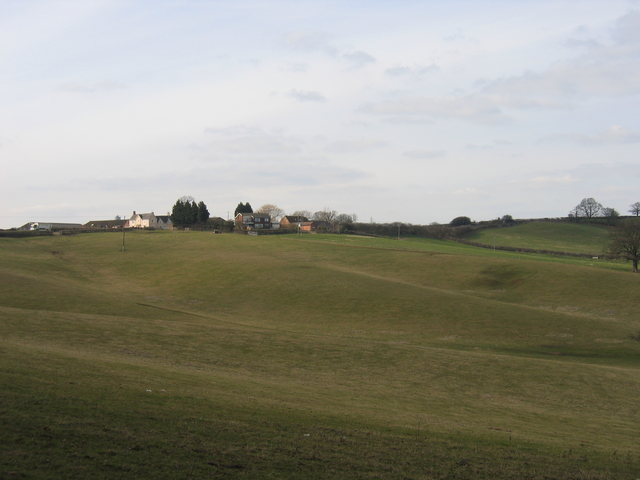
[(413, 111)]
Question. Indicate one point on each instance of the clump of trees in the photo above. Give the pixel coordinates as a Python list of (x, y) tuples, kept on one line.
[(302, 213), (337, 221), (243, 208), (634, 209), (187, 212), (460, 221), (325, 215), (589, 208), (625, 242)]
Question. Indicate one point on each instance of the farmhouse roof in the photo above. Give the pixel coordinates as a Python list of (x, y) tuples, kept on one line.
[(105, 223), (295, 218)]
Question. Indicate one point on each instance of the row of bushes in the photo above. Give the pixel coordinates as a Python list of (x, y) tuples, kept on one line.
[(25, 233)]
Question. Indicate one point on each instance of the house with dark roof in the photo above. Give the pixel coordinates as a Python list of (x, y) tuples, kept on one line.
[(315, 225), (150, 220), (292, 221), (49, 226), (251, 221), (105, 224), (164, 222)]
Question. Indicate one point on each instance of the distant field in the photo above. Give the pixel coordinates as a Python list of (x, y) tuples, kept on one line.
[(193, 355), (560, 237), (457, 248)]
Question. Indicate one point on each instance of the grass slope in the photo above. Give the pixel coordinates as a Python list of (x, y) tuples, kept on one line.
[(554, 236), (197, 355)]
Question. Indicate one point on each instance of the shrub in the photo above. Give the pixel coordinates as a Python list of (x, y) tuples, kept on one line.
[(460, 221)]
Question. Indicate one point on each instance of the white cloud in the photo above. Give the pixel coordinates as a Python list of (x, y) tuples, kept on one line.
[(406, 120), (303, 96), (424, 154), (466, 191), (350, 146), (298, 67), (416, 70), (604, 69), (553, 180), (613, 134), (307, 42), (627, 28), (257, 144), (358, 59), (236, 130), (473, 108), (105, 86)]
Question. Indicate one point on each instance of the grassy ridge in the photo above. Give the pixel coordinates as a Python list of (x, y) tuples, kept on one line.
[(395, 364), (554, 236)]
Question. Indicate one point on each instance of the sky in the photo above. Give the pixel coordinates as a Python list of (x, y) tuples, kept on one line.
[(410, 111)]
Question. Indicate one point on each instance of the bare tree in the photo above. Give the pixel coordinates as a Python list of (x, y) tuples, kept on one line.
[(610, 214), (325, 215), (275, 212), (634, 209), (302, 213), (625, 242), (345, 218), (588, 208)]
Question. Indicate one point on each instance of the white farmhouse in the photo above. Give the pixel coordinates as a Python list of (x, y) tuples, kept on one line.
[(150, 220)]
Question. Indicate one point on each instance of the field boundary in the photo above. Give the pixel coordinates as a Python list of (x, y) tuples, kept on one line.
[(529, 250)]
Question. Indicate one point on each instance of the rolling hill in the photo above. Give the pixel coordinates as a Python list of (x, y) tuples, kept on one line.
[(194, 355), (554, 236)]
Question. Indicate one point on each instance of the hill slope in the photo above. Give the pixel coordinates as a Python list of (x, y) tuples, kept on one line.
[(554, 236), (272, 357)]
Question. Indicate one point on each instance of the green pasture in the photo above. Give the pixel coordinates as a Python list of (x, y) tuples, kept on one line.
[(554, 236), (194, 355), (412, 243)]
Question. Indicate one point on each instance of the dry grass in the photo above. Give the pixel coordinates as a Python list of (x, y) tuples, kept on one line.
[(194, 355)]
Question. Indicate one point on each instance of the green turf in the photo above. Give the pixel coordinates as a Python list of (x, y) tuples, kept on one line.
[(554, 236), (193, 355)]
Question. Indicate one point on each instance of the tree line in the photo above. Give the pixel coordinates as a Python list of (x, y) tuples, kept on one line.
[(625, 240), (187, 212), (590, 208)]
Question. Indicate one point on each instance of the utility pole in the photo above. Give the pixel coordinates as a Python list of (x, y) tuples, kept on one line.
[(123, 231)]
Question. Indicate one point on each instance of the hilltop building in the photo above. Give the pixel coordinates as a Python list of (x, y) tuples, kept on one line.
[(48, 226), (250, 221), (150, 220)]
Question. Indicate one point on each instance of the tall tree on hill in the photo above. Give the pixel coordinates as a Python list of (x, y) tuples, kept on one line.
[(345, 218), (274, 211), (186, 212), (203, 213), (625, 242), (610, 214), (634, 209), (243, 208), (588, 208), (325, 215), (302, 213)]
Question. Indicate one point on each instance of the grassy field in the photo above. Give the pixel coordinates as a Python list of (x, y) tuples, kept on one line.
[(194, 355), (556, 236)]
